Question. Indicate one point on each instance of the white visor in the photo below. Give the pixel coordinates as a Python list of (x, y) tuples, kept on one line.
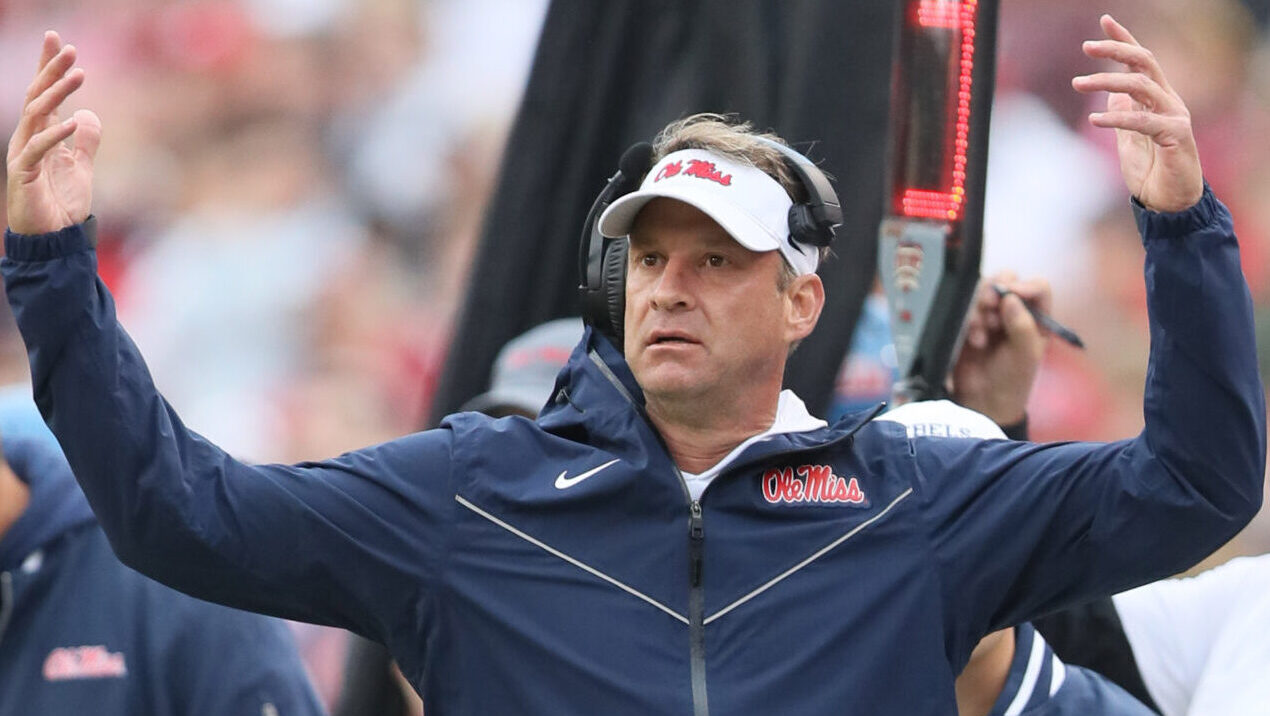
[(747, 202)]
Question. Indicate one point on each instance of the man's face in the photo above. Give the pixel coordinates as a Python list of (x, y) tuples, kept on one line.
[(703, 313)]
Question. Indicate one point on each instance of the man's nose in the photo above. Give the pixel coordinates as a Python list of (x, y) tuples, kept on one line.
[(674, 286)]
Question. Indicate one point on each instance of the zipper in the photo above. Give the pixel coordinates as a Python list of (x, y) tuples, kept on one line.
[(6, 601), (696, 540), (696, 608), (696, 549)]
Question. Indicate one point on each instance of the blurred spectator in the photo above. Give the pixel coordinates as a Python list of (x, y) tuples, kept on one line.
[(81, 633), (234, 274), (525, 370)]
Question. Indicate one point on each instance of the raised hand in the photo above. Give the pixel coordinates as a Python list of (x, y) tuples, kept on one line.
[(50, 182), (1158, 157), (1002, 352)]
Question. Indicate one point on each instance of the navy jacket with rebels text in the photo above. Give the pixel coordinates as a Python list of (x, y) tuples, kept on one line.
[(81, 633), (560, 566), (1039, 684)]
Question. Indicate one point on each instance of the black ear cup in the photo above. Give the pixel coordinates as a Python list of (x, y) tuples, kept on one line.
[(613, 289), (815, 221), (806, 230), (601, 261)]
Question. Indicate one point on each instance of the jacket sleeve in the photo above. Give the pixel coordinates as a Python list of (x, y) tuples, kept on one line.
[(350, 542), (1019, 530)]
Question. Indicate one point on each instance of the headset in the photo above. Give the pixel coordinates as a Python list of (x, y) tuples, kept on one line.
[(813, 224)]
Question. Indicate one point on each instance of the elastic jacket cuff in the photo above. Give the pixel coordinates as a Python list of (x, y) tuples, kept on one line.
[(1174, 224), (53, 245)]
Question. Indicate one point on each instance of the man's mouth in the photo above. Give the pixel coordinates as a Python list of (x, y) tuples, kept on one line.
[(670, 338)]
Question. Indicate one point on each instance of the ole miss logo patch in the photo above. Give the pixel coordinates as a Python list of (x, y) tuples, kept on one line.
[(69, 663), (811, 485)]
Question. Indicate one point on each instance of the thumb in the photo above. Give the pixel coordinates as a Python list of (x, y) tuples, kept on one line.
[(1016, 319), (87, 136)]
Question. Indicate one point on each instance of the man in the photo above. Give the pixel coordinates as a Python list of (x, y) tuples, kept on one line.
[(566, 565), (81, 633)]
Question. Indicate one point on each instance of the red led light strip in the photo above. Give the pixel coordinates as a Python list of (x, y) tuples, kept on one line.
[(949, 14), (939, 13)]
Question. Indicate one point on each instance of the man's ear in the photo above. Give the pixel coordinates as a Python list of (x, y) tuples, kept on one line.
[(805, 299)]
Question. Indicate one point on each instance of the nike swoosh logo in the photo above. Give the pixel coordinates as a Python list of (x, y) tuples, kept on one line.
[(563, 482)]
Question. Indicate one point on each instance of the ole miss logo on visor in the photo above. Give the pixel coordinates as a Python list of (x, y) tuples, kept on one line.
[(811, 485), (699, 168)]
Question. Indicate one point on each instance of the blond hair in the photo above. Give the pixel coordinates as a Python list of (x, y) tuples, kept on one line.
[(727, 136)]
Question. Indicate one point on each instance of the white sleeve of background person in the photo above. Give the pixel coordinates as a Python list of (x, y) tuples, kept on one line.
[(1202, 644), (943, 418)]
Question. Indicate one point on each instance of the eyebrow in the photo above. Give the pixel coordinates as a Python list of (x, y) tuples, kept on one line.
[(720, 239)]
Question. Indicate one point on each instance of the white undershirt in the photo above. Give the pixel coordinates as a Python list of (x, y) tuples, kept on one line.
[(791, 417)]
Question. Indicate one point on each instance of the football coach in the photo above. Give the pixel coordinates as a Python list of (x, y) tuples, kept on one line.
[(674, 534)]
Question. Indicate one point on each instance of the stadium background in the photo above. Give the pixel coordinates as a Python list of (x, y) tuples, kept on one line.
[(291, 194)]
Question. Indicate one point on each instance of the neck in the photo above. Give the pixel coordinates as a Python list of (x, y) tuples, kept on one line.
[(701, 432), (14, 496)]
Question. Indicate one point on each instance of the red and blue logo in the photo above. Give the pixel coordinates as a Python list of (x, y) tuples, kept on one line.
[(698, 168), (811, 485), (69, 663)]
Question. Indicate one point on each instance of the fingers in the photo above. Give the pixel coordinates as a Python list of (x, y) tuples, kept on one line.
[(1016, 320), (1145, 81), (1013, 317), (1134, 57), (1001, 309), (1116, 31), (42, 111), (1156, 110), (983, 319), (52, 98), (1164, 131), (52, 85), (51, 71), (1035, 292), (39, 145), (52, 43), (1144, 90)]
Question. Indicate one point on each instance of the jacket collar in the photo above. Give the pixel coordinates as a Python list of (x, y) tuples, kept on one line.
[(597, 395)]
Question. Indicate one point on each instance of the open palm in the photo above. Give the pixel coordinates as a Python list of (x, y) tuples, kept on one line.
[(1158, 156), (50, 181)]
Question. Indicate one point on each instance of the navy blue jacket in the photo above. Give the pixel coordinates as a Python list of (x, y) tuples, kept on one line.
[(82, 634), (847, 569), (1038, 684)]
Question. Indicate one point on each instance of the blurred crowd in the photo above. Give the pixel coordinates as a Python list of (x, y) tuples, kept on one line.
[(289, 193)]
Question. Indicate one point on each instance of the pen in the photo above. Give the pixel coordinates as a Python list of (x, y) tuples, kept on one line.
[(1044, 320)]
